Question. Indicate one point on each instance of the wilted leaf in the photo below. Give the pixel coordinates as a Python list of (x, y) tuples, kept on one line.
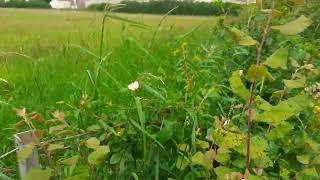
[(237, 86), (39, 134), (57, 128), (292, 84), (278, 59), (202, 144), (210, 155), (19, 124), (20, 112), (184, 147), (200, 159), (257, 71), (25, 152), (304, 159), (242, 38), (92, 143), (36, 117), (58, 115), (52, 147), (37, 173), (294, 27), (70, 161), (99, 155), (284, 110)]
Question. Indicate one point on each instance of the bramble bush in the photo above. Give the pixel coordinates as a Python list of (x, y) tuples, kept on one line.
[(243, 105)]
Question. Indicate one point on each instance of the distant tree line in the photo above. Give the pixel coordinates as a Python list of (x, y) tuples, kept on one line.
[(24, 4), (184, 7)]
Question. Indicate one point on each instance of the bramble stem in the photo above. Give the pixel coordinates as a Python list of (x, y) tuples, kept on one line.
[(252, 87)]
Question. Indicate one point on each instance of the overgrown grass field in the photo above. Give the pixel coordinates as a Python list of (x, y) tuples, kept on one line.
[(120, 96), (46, 61)]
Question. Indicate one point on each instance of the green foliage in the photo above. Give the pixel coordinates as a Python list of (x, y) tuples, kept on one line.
[(25, 4), (294, 27), (162, 7), (237, 85), (278, 59), (38, 173), (177, 107)]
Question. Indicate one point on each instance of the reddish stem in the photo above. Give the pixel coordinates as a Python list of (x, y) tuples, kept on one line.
[(91, 167), (252, 87)]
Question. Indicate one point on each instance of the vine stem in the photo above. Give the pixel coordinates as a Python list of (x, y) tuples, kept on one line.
[(252, 87)]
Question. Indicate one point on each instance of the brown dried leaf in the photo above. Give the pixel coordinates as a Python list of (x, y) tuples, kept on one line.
[(59, 115), (92, 143), (39, 134), (52, 147), (20, 112), (57, 128), (19, 124), (36, 117)]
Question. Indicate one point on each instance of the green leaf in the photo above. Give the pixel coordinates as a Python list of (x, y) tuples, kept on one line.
[(167, 132), (262, 104), (52, 147), (237, 86), (99, 155), (223, 155), (258, 146), (310, 172), (294, 27), (92, 143), (227, 139), (115, 158), (242, 38), (38, 173), (4, 177), (280, 131), (292, 84), (221, 171), (69, 161), (257, 72), (284, 110), (181, 163), (93, 128), (304, 159), (25, 152), (200, 159), (278, 59)]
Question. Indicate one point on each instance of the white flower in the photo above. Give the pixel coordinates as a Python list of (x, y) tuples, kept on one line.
[(241, 72), (133, 86)]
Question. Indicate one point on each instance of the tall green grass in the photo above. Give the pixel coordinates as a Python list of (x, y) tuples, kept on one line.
[(49, 59)]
